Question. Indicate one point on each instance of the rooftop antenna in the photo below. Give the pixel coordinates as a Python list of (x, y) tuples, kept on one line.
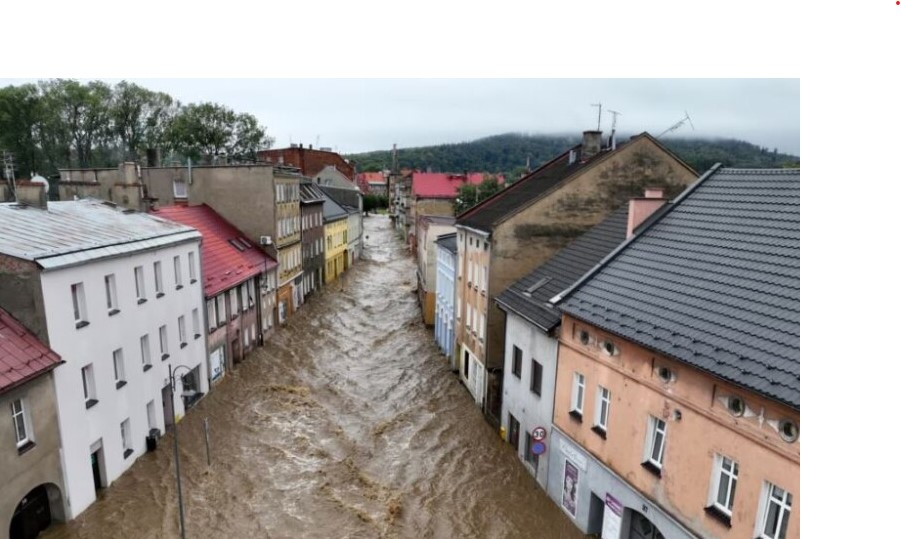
[(317, 142), (598, 105), (679, 124), (612, 142)]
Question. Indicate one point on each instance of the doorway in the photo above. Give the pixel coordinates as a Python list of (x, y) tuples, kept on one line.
[(595, 515), (34, 512), (642, 528), (98, 465)]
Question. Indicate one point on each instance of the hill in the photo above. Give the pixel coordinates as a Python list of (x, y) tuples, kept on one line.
[(507, 154)]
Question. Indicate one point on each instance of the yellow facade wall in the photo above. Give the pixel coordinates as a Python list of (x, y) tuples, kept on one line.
[(335, 248)]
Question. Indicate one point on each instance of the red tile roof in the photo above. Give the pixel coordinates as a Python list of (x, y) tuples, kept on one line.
[(441, 185), (224, 265), (22, 356)]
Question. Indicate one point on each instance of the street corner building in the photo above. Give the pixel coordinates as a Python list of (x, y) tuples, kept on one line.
[(506, 236), (118, 294), (677, 408)]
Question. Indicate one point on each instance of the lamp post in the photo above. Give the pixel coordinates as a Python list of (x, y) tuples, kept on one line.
[(181, 507)]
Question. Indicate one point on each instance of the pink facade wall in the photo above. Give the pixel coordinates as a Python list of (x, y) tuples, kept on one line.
[(706, 427)]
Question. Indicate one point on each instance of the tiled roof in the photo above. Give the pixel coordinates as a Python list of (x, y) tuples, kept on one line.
[(448, 241), (331, 210), (85, 229), (22, 356), (441, 185), (310, 195), (715, 282), (562, 270), (229, 257)]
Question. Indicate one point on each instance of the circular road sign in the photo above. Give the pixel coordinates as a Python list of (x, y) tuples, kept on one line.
[(539, 434), (538, 448)]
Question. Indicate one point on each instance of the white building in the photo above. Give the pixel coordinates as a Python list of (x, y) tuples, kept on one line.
[(119, 295), (445, 293)]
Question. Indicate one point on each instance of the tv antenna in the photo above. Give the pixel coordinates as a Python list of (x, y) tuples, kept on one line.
[(679, 124), (612, 143), (599, 106)]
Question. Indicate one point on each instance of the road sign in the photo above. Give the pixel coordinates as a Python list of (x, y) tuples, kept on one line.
[(539, 434), (538, 448)]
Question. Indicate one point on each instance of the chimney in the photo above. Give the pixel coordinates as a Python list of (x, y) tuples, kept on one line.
[(130, 171), (294, 145), (591, 144), (33, 194), (643, 207), (153, 157), (310, 147)]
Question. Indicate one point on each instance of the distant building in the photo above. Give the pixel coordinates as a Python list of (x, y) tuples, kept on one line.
[(120, 294), (310, 162), (236, 275), (505, 237), (428, 228), (350, 201), (335, 219), (332, 177), (677, 408), (34, 491), (435, 193), (313, 238), (373, 183), (445, 293)]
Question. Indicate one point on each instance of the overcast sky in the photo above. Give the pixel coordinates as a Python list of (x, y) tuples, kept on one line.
[(356, 115)]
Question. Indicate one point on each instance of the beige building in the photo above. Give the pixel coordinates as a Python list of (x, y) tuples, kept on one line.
[(261, 200), (506, 236), (428, 228)]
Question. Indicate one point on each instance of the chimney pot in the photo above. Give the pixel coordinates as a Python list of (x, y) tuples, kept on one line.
[(33, 194), (642, 208), (653, 192)]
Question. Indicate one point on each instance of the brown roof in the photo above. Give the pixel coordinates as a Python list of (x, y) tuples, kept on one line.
[(23, 356)]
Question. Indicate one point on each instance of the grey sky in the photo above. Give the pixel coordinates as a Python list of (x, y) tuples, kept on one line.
[(356, 115)]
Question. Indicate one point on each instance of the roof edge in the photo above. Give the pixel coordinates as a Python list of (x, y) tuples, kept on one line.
[(507, 308)]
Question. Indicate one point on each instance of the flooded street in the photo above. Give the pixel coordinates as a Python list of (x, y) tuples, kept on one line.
[(348, 423)]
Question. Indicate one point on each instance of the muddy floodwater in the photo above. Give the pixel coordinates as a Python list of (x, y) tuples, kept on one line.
[(348, 423)]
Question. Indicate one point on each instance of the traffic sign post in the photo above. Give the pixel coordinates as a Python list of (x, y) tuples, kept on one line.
[(539, 434)]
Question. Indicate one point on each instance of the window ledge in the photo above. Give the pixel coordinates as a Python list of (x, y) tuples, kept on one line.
[(165, 357), (536, 393), (26, 447), (120, 384), (719, 515), (113, 312), (518, 375), (147, 367), (127, 453), (193, 281), (599, 431), (184, 344), (234, 316), (651, 467), (142, 301), (575, 415), (159, 295), (81, 324), (90, 403), (179, 286), (197, 336)]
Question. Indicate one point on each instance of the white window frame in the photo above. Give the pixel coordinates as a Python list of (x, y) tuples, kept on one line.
[(233, 302), (176, 262), (158, 278), (21, 423), (79, 307), (767, 500), (195, 322), (192, 270), (145, 351), (656, 426), (140, 291), (164, 342), (211, 314), (602, 408), (723, 468), (180, 189), (87, 383), (182, 331), (577, 398), (125, 433), (119, 367), (220, 310), (112, 300)]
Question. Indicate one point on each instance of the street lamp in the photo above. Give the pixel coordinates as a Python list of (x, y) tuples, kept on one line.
[(181, 507)]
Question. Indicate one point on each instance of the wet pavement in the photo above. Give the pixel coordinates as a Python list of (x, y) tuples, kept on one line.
[(348, 423)]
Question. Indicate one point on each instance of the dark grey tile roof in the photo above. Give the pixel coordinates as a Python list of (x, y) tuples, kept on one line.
[(562, 270), (448, 241), (715, 282), (309, 194), (331, 210)]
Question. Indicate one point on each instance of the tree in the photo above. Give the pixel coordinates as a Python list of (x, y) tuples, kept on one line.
[(85, 114), (19, 117), (139, 117), (468, 195), (208, 129)]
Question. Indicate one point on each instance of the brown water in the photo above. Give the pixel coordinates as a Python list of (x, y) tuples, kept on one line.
[(348, 423)]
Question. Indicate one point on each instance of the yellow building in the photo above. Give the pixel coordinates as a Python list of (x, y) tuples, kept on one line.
[(335, 219)]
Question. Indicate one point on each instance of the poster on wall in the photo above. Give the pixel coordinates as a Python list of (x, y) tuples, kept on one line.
[(570, 487), (217, 363), (613, 518)]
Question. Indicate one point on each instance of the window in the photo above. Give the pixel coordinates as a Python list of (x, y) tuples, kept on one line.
[(722, 485), (125, 431), (220, 310), (151, 415), (459, 309), (164, 343), (112, 302), (250, 292), (468, 315), (78, 305), (601, 409), (484, 277), (775, 507), (654, 444), (529, 456), (87, 384), (535, 384), (158, 278), (139, 284), (578, 395), (195, 319), (145, 352), (233, 295), (180, 189), (182, 332), (21, 423), (211, 314), (177, 263), (466, 365), (192, 270), (517, 362), (119, 368)]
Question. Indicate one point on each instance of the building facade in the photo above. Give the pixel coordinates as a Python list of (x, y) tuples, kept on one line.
[(120, 292), (351, 201), (445, 293), (678, 391), (310, 162), (428, 228), (508, 235), (34, 491), (312, 238), (336, 235)]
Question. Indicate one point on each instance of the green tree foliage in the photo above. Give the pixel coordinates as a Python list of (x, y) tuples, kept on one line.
[(468, 195), (374, 202), (140, 117), (208, 129)]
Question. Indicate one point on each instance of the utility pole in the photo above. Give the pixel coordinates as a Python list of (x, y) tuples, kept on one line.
[(599, 106), (9, 172), (613, 129)]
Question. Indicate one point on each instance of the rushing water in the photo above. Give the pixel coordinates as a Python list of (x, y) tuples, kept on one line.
[(348, 423)]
